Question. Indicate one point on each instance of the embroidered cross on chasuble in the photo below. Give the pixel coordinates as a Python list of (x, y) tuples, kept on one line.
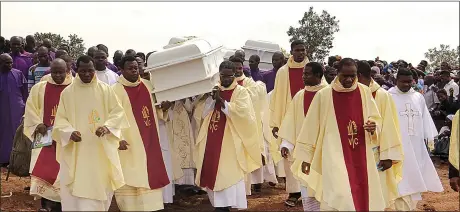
[(350, 121)]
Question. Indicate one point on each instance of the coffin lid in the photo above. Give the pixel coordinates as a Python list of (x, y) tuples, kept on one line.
[(190, 50), (261, 45), (176, 41)]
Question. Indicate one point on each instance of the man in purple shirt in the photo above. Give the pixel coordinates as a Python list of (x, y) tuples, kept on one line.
[(106, 50), (242, 55), (13, 95), (256, 73), (269, 76), (21, 62)]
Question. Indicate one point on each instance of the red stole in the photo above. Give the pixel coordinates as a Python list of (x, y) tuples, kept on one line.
[(295, 80), (350, 121), (307, 98), (47, 168), (374, 93), (214, 140), (141, 104), (240, 82)]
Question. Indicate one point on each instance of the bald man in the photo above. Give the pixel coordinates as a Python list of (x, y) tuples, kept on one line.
[(37, 71), (48, 44), (91, 51), (38, 120), (242, 55), (13, 94), (21, 61)]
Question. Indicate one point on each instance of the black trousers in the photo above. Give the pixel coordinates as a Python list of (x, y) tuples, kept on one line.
[(222, 209), (51, 205)]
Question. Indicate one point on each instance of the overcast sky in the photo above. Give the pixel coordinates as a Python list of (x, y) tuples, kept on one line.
[(390, 30)]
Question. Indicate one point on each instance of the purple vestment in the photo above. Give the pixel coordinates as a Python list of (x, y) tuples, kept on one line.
[(22, 62), (257, 75), (269, 79), (112, 67), (13, 96)]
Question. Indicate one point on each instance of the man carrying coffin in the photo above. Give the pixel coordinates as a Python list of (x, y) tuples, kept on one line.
[(258, 94), (416, 127), (39, 116), (287, 83), (87, 131), (389, 136), (335, 145), (293, 119), (227, 148), (141, 159)]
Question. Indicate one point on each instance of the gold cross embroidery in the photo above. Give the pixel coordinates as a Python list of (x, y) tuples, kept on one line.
[(214, 120), (40, 189), (146, 116), (352, 132), (53, 114), (93, 119)]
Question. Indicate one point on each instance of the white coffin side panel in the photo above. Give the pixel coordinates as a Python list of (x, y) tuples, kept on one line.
[(228, 53), (189, 90), (264, 49), (190, 62)]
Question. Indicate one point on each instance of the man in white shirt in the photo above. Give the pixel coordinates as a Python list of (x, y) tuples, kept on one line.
[(446, 78), (429, 92), (102, 72)]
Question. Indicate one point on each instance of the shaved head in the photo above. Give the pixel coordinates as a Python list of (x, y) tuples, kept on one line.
[(58, 62), (47, 42), (58, 70), (91, 51), (240, 54), (6, 62)]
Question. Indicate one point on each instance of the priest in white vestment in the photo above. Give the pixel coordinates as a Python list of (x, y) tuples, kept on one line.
[(417, 128), (102, 72), (87, 132)]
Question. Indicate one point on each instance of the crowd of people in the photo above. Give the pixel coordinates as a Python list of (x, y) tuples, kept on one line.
[(345, 135)]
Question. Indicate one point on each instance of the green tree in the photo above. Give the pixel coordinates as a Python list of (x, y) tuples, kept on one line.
[(317, 31), (286, 53), (75, 43), (444, 54)]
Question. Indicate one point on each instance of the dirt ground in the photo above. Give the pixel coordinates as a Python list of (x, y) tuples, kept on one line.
[(271, 198)]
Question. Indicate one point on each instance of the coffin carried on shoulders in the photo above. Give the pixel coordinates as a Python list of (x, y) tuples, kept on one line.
[(264, 49), (185, 70)]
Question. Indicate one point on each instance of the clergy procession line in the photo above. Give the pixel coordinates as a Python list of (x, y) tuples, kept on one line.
[(343, 137)]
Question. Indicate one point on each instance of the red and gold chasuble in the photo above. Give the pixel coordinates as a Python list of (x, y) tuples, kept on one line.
[(350, 122), (295, 80), (307, 98), (214, 140), (47, 168), (141, 105)]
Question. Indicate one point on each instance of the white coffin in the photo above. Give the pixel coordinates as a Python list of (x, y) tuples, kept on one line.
[(228, 53), (264, 49), (189, 90), (185, 70)]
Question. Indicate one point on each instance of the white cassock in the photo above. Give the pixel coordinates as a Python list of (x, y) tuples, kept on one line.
[(168, 191), (269, 172), (107, 76), (184, 141), (416, 124)]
